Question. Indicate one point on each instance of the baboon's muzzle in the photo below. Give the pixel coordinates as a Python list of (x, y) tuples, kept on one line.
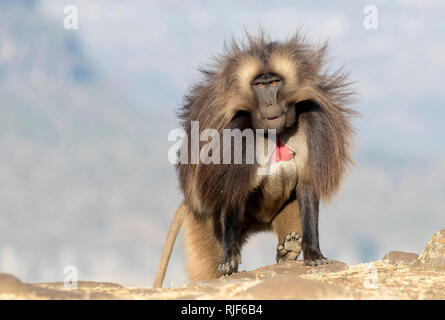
[(270, 115)]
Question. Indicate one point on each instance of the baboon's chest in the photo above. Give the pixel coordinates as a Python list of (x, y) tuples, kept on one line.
[(276, 189), (280, 183)]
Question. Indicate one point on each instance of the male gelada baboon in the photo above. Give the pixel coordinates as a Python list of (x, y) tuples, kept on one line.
[(263, 84)]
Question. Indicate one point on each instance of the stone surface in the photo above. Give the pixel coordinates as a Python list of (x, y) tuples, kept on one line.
[(286, 287), (13, 288), (399, 275), (288, 280), (389, 281), (400, 257), (297, 268), (433, 256)]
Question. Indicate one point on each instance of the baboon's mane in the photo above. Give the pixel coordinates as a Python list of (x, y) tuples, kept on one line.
[(320, 98)]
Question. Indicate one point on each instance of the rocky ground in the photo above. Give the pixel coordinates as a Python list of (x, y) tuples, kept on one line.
[(399, 275)]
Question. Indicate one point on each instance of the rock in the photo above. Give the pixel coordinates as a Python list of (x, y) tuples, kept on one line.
[(82, 285), (293, 268), (278, 281), (85, 290), (11, 285), (286, 287), (433, 256), (244, 275), (297, 268), (400, 257), (393, 277), (13, 288)]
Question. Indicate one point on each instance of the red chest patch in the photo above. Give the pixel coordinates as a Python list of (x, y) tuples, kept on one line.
[(281, 152)]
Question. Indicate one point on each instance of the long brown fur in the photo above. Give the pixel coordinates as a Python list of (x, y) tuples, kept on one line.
[(213, 103), (224, 99)]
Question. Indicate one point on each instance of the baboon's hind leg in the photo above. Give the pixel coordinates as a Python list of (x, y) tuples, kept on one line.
[(287, 227), (204, 251)]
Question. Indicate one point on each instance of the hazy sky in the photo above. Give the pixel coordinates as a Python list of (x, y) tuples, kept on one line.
[(153, 49)]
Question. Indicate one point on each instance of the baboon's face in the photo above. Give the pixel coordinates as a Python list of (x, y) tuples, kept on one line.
[(272, 111)]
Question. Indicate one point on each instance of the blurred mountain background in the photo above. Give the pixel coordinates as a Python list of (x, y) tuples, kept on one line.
[(85, 114)]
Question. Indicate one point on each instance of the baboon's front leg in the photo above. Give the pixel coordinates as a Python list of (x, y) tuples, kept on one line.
[(309, 207), (287, 226), (231, 220)]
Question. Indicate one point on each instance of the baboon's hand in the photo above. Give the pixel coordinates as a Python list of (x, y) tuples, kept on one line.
[(230, 264), (314, 258), (317, 262)]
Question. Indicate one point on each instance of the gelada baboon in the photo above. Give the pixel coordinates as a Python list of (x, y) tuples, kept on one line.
[(263, 84)]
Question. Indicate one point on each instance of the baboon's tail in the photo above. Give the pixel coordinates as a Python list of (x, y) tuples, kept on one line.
[(176, 224)]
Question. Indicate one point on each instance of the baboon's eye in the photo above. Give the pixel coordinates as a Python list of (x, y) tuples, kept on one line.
[(274, 83), (260, 85)]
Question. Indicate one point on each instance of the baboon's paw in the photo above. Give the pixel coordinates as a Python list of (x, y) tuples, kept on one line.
[(229, 265), (290, 249), (317, 262)]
